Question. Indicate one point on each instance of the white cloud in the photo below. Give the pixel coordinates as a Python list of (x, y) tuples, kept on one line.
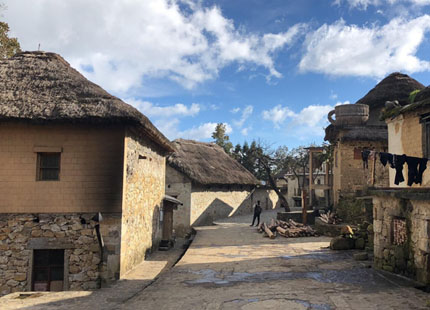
[(245, 131), (277, 115), (364, 4), (120, 43), (151, 110), (333, 95), (340, 49), (309, 121), (170, 128), (235, 110), (246, 113)]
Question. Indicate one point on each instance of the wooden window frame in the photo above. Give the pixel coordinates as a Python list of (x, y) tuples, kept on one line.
[(39, 168), (48, 268)]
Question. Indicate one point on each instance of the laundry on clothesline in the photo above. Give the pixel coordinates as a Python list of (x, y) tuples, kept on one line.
[(416, 165)]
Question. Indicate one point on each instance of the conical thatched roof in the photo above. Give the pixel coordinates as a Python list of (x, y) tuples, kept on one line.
[(42, 87), (208, 164), (396, 86)]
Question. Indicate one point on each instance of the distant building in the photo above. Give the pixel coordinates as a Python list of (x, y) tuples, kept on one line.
[(81, 179), (211, 185)]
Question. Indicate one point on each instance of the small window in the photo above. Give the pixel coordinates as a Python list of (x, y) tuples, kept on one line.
[(48, 166), (427, 139)]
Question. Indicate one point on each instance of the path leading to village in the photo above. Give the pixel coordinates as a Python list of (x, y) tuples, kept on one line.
[(231, 266)]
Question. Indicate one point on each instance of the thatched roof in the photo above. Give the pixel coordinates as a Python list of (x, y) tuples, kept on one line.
[(42, 87), (208, 164), (396, 86)]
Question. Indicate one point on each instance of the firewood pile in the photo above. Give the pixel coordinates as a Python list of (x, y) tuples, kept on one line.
[(289, 229), (330, 218)]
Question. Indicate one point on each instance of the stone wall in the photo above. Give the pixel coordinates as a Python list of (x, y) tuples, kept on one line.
[(179, 186), (402, 235), (144, 188), (349, 176), (20, 234), (90, 174), (405, 137)]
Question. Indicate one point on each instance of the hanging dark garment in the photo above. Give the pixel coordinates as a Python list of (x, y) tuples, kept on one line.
[(399, 161), (415, 174), (365, 156), (386, 158)]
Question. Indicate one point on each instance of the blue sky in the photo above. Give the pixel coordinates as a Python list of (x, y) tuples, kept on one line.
[(268, 69)]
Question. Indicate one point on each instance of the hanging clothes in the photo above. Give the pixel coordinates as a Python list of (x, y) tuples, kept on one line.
[(365, 156), (398, 162), (386, 158), (415, 174)]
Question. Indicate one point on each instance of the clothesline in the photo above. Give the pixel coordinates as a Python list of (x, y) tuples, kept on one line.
[(416, 165)]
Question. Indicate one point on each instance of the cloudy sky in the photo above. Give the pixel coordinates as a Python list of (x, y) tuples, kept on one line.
[(269, 70)]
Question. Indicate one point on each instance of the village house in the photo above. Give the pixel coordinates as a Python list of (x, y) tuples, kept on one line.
[(82, 179), (402, 212), (358, 127), (211, 185)]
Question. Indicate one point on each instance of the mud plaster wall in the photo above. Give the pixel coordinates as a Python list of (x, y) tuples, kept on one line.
[(20, 235), (348, 173), (405, 137), (210, 203), (90, 174), (178, 185), (144, 188), (412, 258)]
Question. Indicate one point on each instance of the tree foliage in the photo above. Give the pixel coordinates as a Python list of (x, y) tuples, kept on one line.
[(8, 46), (221, 138)]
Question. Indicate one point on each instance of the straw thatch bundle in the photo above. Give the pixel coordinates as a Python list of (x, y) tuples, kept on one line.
[(42, 87), (396, 86), (208, 164)]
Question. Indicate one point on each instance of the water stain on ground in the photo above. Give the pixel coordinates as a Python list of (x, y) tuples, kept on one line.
[(364, 277), (273, 304)]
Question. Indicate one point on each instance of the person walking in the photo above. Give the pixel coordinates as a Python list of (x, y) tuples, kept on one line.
[(257, 212)]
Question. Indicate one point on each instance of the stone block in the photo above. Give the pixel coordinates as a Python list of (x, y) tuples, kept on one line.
[(20, 277), (377, 227), (361, 256), (359, 243), (340, 243), (424, 245)]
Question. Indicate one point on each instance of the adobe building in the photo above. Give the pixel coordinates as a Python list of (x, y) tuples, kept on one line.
[(358, 127), (81, 179), (211, 185), (402, 213)]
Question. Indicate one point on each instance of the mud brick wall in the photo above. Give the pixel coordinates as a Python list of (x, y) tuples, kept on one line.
[(90, 174), (20, 234), (348, 173), (397, 250), (179, 186), (144, 189), (210, 203)]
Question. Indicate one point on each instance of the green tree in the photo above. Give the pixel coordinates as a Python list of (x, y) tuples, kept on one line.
[(220, 137), (8, 46)]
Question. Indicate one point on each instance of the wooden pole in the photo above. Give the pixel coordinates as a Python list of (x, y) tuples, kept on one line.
[(304, 207)]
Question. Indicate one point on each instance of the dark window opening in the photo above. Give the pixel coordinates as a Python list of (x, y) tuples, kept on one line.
[(48, 270), (48, 166)]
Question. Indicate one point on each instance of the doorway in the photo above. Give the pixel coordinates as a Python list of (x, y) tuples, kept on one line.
[(48, 270)]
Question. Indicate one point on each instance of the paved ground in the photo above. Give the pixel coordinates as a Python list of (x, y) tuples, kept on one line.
[(231, 266)]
